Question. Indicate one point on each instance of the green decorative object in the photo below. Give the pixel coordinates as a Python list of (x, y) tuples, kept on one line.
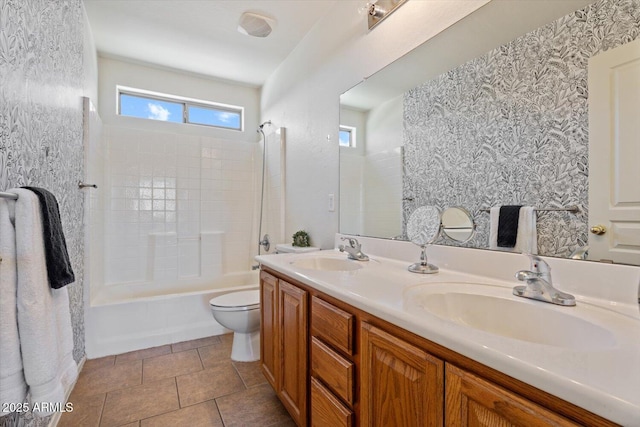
[(301, 239)]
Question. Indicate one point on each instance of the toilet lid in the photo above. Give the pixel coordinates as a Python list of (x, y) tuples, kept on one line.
[(242, 300)]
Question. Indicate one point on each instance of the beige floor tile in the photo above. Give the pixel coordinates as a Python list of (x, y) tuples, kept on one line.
[(171, 365), (108, 378), (203, 414), (205, 385), (227, 339), (251, 373), (91, 364), (136, 403), (211, 355), (133, 424), (86, 411), (255, 406), (143, 354), (201, 342)]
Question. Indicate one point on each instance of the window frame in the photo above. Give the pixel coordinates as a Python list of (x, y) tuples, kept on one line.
[(352, 136), (186, 103)]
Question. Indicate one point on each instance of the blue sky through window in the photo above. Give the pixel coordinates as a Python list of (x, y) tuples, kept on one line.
[(148, 108), (345, 138), (212, 117)]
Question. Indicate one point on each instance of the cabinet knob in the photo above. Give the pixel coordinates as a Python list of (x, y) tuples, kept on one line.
[(598, 229)]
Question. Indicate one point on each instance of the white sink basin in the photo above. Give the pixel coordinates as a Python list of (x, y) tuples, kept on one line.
[(327, 264), (495, 310)]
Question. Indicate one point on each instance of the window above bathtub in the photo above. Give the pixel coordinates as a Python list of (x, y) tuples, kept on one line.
[(145, 104), (347, 136)]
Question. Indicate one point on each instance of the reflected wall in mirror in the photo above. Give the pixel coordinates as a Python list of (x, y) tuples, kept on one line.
[(508, 126)]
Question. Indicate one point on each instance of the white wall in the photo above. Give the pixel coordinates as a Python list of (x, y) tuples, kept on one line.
[(384, 126), (114, 72), (303, 95)]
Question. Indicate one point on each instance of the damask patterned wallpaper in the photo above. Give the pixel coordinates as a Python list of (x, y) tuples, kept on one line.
[(41, 88), (511, 127)]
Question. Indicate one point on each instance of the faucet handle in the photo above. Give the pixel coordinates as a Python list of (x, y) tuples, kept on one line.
[(538, 265), (352, 241)]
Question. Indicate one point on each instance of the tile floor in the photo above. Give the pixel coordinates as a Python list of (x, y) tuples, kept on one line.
[(192, 383)]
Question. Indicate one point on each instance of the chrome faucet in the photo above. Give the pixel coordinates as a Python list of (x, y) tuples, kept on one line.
[(581, 252), (539, 285), (354, 250)]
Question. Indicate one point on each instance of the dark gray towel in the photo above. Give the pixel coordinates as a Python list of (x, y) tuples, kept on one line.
[(508, 226), (55, 246)]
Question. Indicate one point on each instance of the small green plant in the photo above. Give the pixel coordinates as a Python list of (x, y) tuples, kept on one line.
[(301, 239)]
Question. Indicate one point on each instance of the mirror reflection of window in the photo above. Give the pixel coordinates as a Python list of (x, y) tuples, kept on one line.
[(347, 136)]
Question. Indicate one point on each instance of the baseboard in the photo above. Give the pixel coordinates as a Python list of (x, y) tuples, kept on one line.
[(55, 418)]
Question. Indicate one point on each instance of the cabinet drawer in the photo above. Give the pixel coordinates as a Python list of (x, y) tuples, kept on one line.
[(326, 409), (334, 370), (333, 325)]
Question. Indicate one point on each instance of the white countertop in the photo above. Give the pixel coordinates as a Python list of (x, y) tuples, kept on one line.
[(604, 380)]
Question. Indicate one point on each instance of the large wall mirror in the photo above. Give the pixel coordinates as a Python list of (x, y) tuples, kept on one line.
[(493, 111)]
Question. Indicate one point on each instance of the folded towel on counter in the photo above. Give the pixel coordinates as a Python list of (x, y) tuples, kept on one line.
[(44, 319), (58, 264), (526, 236), (13, 388), (508, 226)]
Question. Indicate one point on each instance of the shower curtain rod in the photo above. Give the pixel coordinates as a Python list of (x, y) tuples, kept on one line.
[(6, 195), (14, 196)]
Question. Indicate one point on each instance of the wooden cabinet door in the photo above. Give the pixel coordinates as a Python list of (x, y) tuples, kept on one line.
[(292, 302), (326, 409), (472, 401), (269, 356), (402, 385)]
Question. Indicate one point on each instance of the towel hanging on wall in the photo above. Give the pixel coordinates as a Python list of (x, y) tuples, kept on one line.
[(44, 319), (13, 388), (58, 264), (526, 235)]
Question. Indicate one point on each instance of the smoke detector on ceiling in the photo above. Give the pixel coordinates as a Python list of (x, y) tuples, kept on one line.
[(253, 24)]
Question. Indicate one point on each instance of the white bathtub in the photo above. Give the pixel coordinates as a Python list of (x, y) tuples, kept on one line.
[(127, 317)]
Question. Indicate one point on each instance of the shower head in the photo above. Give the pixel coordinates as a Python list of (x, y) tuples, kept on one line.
[(268, 122)]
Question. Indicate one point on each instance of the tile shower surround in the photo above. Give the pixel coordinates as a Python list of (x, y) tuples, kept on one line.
[(511, 127), (41, 75), (175, 185)]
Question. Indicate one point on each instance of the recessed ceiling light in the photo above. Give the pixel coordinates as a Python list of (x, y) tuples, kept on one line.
[(256, 25)]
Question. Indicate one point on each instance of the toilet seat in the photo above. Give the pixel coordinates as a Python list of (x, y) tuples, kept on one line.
[(236, 301)]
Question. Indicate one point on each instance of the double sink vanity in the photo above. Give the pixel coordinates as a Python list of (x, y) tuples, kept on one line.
[(348, 342)]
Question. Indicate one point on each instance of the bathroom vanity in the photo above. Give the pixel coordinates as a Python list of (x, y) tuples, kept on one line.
[(348, 343)]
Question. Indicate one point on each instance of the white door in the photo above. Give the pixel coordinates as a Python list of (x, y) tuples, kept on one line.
[(614, 154)]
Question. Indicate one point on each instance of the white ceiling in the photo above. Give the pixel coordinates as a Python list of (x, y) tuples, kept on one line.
[(201, 36)]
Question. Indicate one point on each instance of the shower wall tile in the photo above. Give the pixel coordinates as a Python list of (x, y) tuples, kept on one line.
[(351, 197), (182, 184), (383, 193)]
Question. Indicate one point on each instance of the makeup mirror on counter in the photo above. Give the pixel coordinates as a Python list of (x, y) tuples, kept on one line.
[(473, 118), (423, 228), (457, 224)]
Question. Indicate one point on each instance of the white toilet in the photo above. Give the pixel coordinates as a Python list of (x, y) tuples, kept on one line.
[(240, 312)]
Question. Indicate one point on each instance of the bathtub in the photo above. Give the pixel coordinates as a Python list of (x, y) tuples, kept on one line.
[(126, 317)]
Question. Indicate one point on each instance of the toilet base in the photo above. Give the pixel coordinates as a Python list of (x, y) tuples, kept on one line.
[(245, 347)]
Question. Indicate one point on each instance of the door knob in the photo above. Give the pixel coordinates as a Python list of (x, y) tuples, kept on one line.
[(598, 229)]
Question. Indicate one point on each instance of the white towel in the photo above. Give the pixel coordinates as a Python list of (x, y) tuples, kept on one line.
[(44, 320), (527, 237), (13, 389)]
